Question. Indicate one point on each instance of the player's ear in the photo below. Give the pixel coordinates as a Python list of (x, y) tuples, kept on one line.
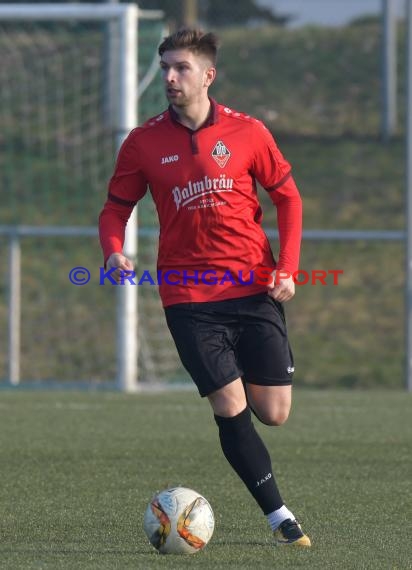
[(210, 75)]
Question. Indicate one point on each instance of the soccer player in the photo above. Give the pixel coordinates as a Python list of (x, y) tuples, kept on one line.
[(220, 286)]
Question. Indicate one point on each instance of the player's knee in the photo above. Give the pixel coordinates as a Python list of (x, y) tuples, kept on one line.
[(228, 401), (228, 409), (275, 417)]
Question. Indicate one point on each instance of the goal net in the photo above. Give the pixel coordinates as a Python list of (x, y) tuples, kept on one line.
[(60, 103)]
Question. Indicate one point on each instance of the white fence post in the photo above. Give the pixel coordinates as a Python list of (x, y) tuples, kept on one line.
[(408, 268), (14, 309), (389, 71), (127, 321)]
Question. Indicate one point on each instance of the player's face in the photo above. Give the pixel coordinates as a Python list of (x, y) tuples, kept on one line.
[(186, 76)]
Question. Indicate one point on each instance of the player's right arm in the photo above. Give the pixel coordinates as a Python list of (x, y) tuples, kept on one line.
[(122, 264), (127, 186)]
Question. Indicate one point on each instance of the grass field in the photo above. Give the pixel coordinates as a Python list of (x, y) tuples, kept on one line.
[(77, 470)]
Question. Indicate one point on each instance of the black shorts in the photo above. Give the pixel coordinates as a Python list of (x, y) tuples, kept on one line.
[(220, 341)]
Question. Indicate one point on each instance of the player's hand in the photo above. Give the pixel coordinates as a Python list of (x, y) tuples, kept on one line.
[(123, 265), (282, 288)]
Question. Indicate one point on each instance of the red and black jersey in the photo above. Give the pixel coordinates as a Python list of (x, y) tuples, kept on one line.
[(203, 184)]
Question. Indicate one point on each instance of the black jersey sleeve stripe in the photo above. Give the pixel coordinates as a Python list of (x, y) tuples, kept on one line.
[(280, 183), (120, 201)]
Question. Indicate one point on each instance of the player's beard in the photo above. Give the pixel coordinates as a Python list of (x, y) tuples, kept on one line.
[(178, 100)]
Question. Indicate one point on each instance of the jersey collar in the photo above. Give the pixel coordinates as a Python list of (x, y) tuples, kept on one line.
[(211, 120)]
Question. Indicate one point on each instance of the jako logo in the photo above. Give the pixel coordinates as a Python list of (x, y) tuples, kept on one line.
[(206, 185), (169, 159), (264, 479)]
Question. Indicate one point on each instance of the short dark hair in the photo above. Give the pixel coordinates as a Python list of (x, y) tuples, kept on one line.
[(193, 39)]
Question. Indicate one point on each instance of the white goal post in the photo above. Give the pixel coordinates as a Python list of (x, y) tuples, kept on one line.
[(126, 16)]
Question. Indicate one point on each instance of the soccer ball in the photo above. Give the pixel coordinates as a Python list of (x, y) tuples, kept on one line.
[(179, 521)]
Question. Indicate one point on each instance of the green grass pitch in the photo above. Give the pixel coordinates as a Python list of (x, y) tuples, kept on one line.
[(77, 470)]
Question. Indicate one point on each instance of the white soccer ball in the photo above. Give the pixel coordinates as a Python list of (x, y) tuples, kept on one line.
[(179, 521)]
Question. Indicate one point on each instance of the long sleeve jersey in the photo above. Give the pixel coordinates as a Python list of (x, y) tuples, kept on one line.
[(204, 185)]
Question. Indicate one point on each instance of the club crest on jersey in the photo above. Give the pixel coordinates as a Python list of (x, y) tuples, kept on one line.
[(221, 154)]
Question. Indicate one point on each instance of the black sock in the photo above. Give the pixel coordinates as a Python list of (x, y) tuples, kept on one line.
[(247, 454)]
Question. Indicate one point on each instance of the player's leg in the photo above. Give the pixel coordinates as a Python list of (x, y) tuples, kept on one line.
[(249, 457), (268, 366), (243, 446), (271, 405)]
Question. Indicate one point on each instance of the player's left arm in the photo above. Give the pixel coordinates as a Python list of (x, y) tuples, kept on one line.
[(274, 173), (288, 204)]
